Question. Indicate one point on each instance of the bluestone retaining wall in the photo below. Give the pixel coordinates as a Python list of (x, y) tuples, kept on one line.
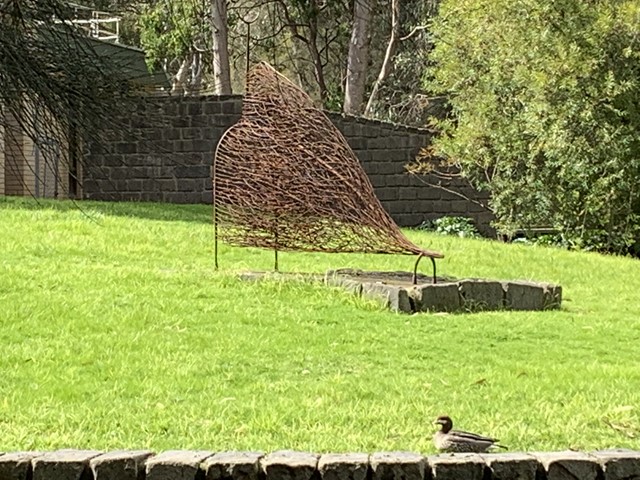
[(290, 465), (165, 153)]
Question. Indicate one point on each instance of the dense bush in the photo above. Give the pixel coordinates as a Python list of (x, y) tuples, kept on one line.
[(545, 102)]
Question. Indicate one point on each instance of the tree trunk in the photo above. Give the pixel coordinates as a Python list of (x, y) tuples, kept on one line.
[(358, 58), (315, 56), (387, 63), (179, 81), (221, 70)]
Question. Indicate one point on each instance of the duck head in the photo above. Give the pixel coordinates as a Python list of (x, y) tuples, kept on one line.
[(445, 423)]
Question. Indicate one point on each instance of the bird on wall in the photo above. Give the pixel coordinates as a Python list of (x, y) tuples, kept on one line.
[(448, 440)]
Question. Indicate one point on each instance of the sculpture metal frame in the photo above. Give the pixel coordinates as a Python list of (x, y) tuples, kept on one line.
[(285, 179)]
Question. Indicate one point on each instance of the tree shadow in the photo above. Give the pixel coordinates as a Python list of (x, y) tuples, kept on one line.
[(170, 212)]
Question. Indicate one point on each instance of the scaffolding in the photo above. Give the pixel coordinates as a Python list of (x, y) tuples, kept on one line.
[(99, 25)]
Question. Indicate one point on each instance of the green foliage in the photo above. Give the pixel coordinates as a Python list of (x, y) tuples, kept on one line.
[(458, 226), (114, 317), (171, 30), (545, 113)]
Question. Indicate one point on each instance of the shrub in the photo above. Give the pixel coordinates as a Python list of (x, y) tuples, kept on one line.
[(545, 112), (458, 226)]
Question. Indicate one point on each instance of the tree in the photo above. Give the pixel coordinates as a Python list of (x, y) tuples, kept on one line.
[(358, 58), (387, 63), (397, 93), (176, 36), (220, 50), (545, 116)]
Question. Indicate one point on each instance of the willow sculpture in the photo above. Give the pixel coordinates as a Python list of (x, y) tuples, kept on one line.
[(285, 179)]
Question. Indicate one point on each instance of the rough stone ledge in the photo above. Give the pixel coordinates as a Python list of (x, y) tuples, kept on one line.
[(618, 464), (395, 290)]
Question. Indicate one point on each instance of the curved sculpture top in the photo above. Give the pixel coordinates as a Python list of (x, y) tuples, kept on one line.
[(284, 178)]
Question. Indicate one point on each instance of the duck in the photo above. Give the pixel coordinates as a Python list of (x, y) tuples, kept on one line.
[(448, 440)]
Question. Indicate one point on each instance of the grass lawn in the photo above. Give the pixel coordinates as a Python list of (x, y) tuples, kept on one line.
[(115, 332)]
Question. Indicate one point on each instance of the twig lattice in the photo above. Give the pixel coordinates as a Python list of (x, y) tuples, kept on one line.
[(284, 178)]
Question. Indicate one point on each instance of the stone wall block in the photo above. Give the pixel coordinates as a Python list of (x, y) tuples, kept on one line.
[(467, 466), (523, 295), (352, 286), (64, 465), (568, 465), (552, 296), (290, 465), (347, 466), (619, 464), (397, 466), (511, 466), (17, 465), (233, 466), (477, 294), (177, 465), (120, 465), (392, 297), (439, 297)]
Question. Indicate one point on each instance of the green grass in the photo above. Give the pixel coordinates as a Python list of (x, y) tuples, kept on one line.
[(115, 332)]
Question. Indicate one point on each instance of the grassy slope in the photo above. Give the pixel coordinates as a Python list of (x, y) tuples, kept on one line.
[(116, 333)]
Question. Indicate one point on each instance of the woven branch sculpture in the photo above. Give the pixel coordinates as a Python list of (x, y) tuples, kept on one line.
[(284, 178)]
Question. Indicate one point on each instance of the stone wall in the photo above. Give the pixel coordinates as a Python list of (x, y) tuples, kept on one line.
[(166, 153), (289, 465)]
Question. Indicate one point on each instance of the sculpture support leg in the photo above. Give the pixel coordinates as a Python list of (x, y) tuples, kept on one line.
[(415, 269), (215, 238), (433, 262)]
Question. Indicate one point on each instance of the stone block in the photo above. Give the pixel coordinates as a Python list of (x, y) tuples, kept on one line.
[(397, 466), (401, 179), (205, 146), (393, 297), (357, 143), (347, 466), (289, 465), (459, 207), (352, 286), (176, 465), (417, 141), (233, 466), (194, 108), (387, 193), (523, 296), (378, 181), (232, 106), (439, 297), (17, 465), (126, 147), (477, 294), (372, 131), (619, 464), (407, 193), (186, 185), (191, 133), (552, 296), (212, 107), (568, 465), (461, 466), (63, 465), (511, 466), (119, 465)]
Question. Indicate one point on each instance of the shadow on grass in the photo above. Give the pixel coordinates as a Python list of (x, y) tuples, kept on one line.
[(170, 212)]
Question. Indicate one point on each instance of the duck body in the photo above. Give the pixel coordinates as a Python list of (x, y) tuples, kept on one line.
[(448, 440)]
